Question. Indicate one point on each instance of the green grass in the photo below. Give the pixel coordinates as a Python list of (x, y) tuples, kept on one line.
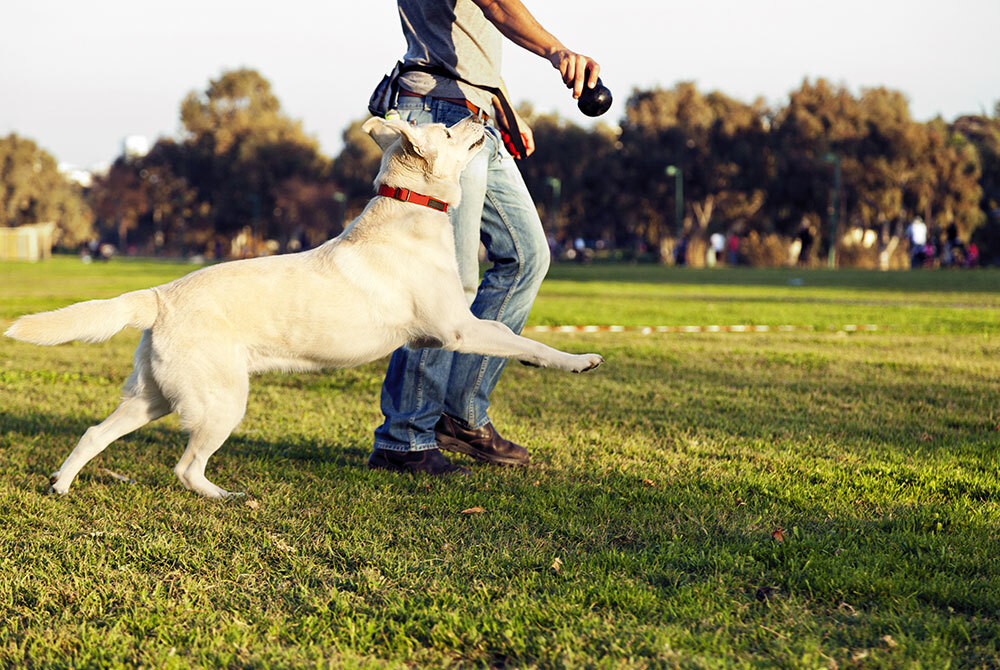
[(658, 482)]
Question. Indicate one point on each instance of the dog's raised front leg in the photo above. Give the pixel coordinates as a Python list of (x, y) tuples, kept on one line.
[(492, 338)]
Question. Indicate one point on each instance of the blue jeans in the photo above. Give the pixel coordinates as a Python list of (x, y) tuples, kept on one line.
[(496, 209)]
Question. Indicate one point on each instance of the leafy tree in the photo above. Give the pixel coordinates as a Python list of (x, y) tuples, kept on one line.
[(984, 133), (241, 163), (819, 119), (893, 167), (719, 143), (120, 199), (356, 166), (242, 148), (307, 211), (33, 191), (176, 213)]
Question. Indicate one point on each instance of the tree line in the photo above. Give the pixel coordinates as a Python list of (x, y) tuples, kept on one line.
[(244, 178)]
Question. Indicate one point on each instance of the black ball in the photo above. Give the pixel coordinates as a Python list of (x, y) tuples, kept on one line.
[(595, 101)]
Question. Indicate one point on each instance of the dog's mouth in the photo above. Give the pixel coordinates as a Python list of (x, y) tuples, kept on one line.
[(478, 143)]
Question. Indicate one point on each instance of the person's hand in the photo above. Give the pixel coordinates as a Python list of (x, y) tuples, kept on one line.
[(527, 137), (576, 69)]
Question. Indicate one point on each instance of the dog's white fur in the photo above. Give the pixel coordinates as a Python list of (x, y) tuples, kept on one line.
[(389, 279)]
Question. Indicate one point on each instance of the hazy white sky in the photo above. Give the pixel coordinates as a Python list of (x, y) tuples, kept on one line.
[(79, 76)]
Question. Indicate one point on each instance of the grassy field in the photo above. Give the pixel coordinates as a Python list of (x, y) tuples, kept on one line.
[(806, 499)]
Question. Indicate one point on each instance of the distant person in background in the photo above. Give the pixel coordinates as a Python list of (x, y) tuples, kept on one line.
[(954, 248), (733, 257), (680, 252), (716, 248), (916, 235), (805, 237), (930, 253), (972, 257)]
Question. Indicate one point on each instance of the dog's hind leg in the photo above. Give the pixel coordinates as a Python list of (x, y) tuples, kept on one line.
[(209, 430), (134, 412), (142, 402)]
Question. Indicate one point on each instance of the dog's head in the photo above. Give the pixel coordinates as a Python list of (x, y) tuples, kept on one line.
[(425, 156)]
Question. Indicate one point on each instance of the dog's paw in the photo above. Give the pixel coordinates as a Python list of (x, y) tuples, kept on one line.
[(56, 490), (587, 362)]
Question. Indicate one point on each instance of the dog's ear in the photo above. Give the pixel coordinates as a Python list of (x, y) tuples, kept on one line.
[(386, 131)]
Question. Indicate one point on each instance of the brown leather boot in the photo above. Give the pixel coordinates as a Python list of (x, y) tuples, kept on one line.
[(484, 443)]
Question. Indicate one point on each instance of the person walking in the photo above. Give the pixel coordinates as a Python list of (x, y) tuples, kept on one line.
[(916, 234), (434, 399)]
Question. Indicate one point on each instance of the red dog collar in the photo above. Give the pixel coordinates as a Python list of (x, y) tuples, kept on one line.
[(406, 195)]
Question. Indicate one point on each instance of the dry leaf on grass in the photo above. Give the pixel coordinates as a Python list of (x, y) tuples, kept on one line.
[(473, 510), (844, 607), (252, 504), (778, 534), (650, 483), (556, 565), (281, 544), (889, 641), (96, 533)]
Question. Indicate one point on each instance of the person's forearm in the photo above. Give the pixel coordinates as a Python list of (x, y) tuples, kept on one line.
[(517, 24)]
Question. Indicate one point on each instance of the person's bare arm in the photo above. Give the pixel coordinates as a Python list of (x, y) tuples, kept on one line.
[(517, 24)]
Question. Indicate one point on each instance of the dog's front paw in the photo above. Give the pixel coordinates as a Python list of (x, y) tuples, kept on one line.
[(586, 362), (54, 489)]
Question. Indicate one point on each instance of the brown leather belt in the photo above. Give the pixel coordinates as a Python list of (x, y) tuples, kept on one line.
[(457, 101)]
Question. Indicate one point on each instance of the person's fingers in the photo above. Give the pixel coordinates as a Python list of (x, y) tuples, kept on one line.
[(595, 71), (529, 142), (579, 74), (569, 73), (577, 71)]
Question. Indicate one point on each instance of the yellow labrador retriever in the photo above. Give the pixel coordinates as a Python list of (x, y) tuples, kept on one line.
[(389, 279)]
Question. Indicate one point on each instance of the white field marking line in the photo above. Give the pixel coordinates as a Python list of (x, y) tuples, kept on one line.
[(737, 328)]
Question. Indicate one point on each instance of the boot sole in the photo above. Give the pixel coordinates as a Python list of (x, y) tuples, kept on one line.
[(392, 467)]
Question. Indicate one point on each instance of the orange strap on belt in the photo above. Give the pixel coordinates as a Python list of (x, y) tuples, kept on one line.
[(457, 101)]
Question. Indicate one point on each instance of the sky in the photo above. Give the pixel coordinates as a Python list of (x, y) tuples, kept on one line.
[(78, 77)]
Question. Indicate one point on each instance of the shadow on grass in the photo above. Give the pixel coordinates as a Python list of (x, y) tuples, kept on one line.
[(46, 430)]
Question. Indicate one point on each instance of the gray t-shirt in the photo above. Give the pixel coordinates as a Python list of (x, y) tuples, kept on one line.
[(455, 35)]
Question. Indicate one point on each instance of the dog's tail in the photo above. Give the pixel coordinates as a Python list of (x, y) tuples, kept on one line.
[(91, 321)]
